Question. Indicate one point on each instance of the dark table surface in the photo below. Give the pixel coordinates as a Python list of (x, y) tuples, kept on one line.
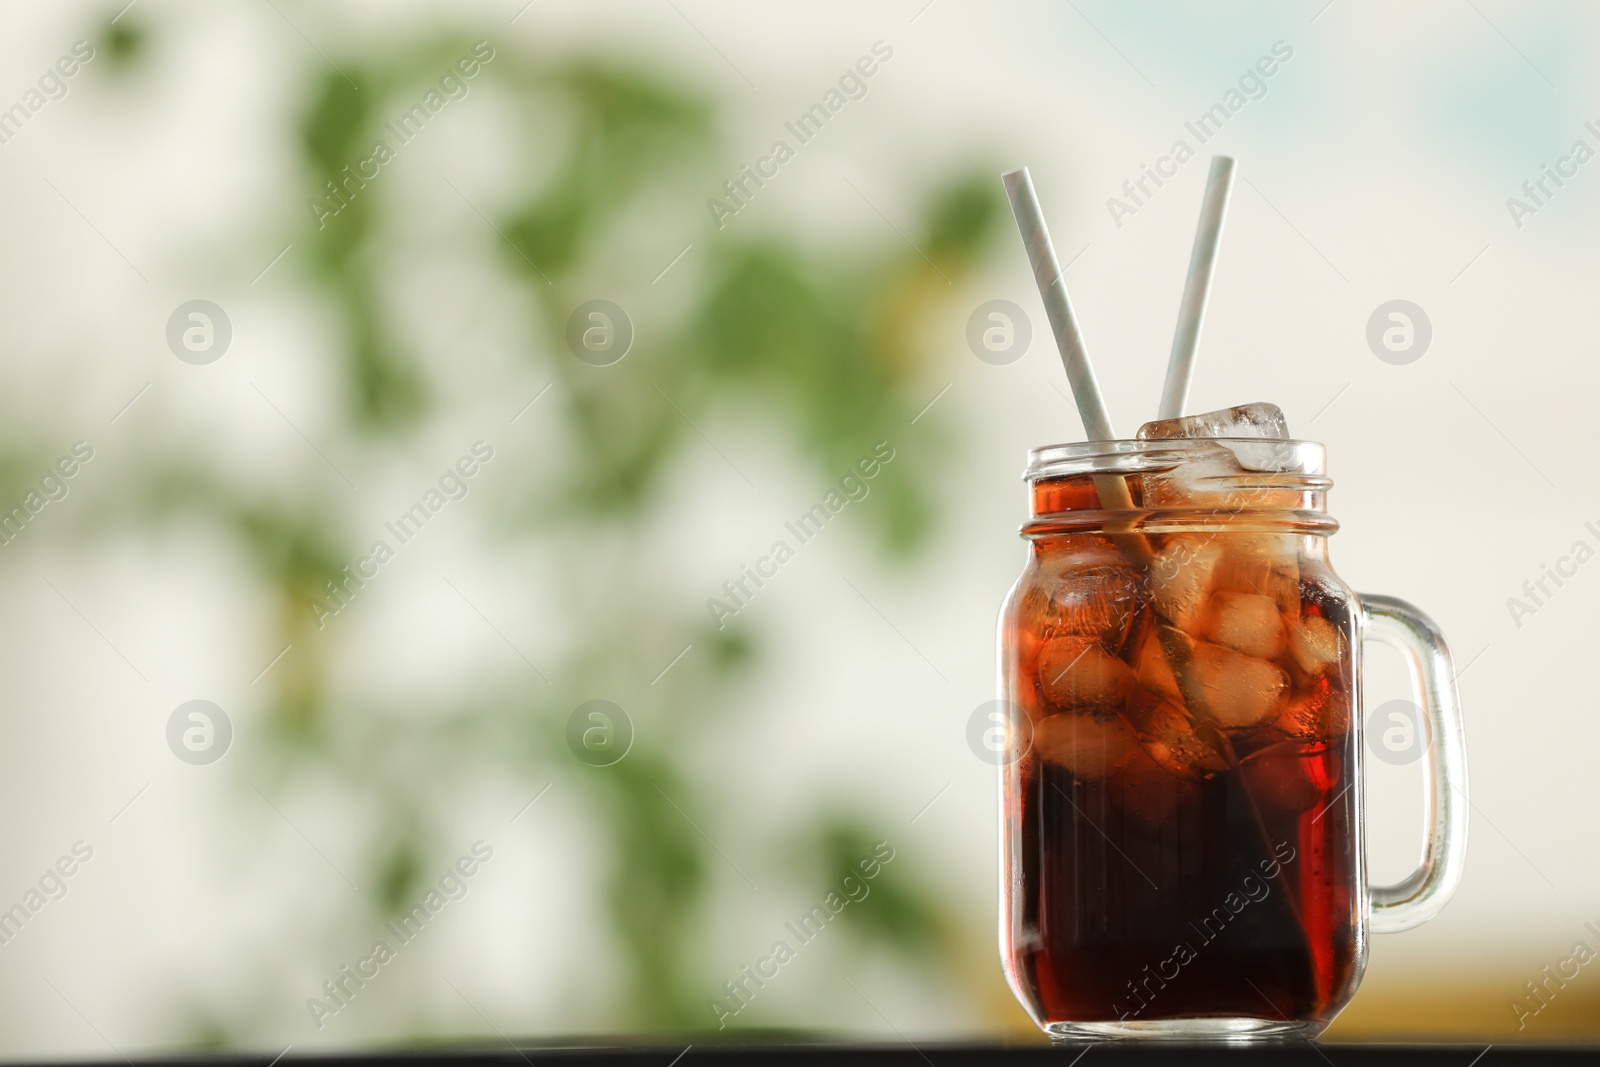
[(807, 1054)]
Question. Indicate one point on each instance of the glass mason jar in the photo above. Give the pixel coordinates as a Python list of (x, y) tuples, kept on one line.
[(1180, 679)]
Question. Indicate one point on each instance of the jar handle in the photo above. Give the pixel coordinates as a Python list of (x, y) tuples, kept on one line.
[(1424, 894)]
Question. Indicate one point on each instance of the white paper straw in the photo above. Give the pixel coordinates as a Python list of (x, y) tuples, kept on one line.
[(1113, 488), (1057, 307), (1180, 368)]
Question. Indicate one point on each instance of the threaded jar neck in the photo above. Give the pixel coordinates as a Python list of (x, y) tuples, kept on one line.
[(1237, 484)]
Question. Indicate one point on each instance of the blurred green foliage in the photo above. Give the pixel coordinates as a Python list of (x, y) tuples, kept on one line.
[(818, 339), (123, 41)]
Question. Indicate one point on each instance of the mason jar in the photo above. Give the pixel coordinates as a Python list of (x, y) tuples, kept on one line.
[(1180, 678)]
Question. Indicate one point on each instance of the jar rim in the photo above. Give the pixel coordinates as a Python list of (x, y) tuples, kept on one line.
[(1129, 456)]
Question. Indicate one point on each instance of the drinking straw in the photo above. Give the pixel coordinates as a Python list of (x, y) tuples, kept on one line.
[(1053, 291), (1174, 398), (1192, 312), (1047, 274)]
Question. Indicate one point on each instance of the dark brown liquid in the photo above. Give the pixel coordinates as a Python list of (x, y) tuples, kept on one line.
[(1180, 839)]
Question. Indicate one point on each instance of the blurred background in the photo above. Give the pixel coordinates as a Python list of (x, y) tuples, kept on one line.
[(397, 219)]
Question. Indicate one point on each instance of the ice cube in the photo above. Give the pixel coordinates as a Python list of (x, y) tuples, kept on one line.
[(1245, 439), (1090, 746), (1315, 643), (1264, 564), (1204, 476), (1246, 622), (1230, 688), (1170, 738), (1076, 674), (1180, 577), (1092, 593), (1246, 420), (1153, 669), (1318, 713)]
